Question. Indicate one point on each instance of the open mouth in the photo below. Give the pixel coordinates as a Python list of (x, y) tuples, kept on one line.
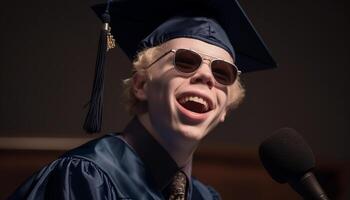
[(195, 103)]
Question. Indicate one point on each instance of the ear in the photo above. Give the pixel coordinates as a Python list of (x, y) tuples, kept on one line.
[(139, 81)]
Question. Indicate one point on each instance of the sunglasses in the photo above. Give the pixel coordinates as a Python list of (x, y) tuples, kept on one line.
[(188, 61)]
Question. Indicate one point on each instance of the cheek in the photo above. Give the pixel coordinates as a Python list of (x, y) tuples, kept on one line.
[(162, 89), (168, 81), (224, 104), (223, 96)]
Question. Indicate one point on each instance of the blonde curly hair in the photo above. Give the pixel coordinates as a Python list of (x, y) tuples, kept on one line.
[(143, 59)]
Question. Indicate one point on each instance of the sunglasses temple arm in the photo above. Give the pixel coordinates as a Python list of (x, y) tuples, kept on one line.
[(166, 53)]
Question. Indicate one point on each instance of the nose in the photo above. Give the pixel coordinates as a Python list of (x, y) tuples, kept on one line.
[(204, 75)]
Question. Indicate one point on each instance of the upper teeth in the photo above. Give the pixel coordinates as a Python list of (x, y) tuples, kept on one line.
[(195, 99)]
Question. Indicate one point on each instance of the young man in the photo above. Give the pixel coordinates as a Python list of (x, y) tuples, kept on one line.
[(185, 81)]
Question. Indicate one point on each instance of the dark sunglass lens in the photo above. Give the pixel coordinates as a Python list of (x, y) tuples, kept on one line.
[(187, 61), (224, 72)]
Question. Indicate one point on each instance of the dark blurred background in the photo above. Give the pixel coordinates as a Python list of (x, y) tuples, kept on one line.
[(48, 51)]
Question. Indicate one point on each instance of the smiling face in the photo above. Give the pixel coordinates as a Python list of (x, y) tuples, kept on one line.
[(183, 105)]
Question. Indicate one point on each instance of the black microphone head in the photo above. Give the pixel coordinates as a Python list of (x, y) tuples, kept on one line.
[(286, 156)]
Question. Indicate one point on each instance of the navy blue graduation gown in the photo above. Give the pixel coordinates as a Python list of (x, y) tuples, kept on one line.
[(105, 168)]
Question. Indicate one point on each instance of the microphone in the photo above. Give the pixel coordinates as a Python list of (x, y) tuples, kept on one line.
[(287, 158)]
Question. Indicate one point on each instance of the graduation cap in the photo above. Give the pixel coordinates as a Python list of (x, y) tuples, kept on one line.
[(139, 24)]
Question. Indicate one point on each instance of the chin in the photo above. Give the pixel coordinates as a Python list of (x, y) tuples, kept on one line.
[(193, 133)]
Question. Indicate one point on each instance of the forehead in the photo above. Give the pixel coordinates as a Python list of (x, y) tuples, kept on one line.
[(199, 46)]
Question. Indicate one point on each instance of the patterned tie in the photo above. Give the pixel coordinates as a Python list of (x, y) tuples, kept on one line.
[(178, 187)]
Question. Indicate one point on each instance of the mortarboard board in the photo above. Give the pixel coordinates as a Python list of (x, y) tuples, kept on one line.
[(138, 24)]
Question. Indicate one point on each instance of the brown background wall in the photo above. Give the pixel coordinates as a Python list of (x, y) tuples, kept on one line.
[(47, 63)]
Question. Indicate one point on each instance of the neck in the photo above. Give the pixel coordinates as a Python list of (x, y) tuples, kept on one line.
[(179, 148)]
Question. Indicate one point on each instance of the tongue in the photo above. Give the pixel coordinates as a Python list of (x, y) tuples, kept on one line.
[(194, 106)]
